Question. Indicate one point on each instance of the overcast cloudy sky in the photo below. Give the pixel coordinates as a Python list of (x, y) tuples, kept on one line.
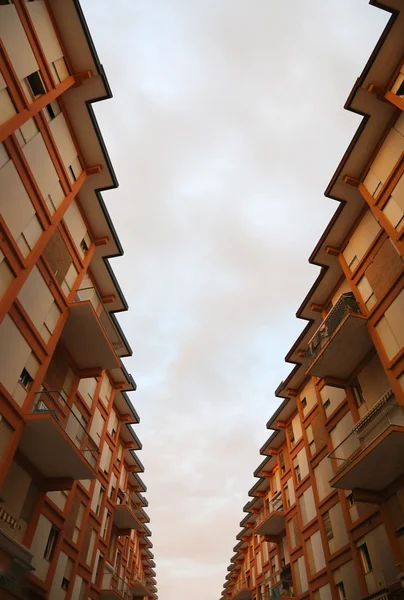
[(225, 128)]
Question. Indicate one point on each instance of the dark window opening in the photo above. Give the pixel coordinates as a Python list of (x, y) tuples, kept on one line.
[(36, 84)]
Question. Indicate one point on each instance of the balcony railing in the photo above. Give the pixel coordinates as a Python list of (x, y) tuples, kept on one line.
[(52, 402), (383, 415), (241, 585), (344, 306), (8, 518), (90, 294), (112, 583), (274, 505)]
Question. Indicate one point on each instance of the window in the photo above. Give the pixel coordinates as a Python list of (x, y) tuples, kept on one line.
[(350, 499), (118, 559), (65, 583), (70, 169), (358, 393), (99, 501), (25, 379), (36, 85), (105, 531), (52, 110), (51, 543), (341, 591), (98, 570), (83, 244), (291, 434), (328, 527), (400, 91), (282, 462), (365, 558), (303, 402), (287, 495), (297, 471)]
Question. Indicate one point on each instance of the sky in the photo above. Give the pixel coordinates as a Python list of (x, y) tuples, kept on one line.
[(226, 126)]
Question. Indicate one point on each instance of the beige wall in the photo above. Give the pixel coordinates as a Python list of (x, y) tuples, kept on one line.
[(38, 547), (39, 304), (7, 109), (309, 393), (335, 395), (386, 158), (76, 226), (15, 353), (43, 170), (17, 209), (384, 569), (307, 506), (297, 428), (16, 43), (6, 275), (64, 142), (323, 593), (374, 383), (340, 432), (56, 591), (86, 389), (322, 474), (390, 328), (361, 239), (340, 536), (347, 575), (303, 463), (343, 289)]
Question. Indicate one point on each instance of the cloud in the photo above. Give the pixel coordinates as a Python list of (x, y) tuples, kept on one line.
[(225, 128)]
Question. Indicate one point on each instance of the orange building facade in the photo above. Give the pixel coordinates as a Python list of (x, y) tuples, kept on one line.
[(325, 519), (72, 518)]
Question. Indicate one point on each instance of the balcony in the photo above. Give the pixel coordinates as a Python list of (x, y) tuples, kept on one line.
[(242, 590), (124, 515), (114, 588), (371, 456), (271, 519), (90, 334), (11, 533), (55, 441), (341, 341), (140, 589)]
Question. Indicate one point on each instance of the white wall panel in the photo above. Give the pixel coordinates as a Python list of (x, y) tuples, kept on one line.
[(15, 205), (63, 139), (44, 28), (18, 48), (14, 353), (41, 165)]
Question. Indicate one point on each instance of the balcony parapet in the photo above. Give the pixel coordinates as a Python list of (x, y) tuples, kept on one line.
[(377, 439)]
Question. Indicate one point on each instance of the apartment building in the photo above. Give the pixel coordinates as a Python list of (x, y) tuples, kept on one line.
[(73, 524), (325, 518)]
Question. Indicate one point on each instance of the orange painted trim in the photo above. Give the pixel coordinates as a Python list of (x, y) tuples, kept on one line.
[(394, 99), (7, 128), (34, 255)]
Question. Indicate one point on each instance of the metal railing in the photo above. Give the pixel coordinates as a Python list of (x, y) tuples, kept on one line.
[(274, 505), (111, 581), (344, 306), (90, 294), (8, 518), (243, 584), (53, 403), (126, 501), (382, 415)]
